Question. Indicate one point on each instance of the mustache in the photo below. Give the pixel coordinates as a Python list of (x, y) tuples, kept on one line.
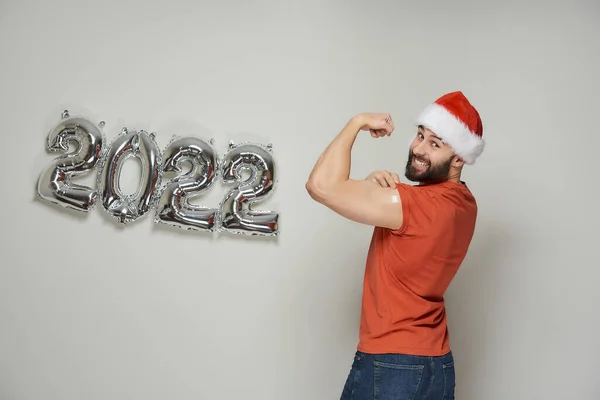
[(412, 155)]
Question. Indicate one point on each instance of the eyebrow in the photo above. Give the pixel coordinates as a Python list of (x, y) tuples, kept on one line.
[(422, 128)]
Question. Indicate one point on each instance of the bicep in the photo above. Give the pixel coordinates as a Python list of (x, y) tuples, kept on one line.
[(366, 203)]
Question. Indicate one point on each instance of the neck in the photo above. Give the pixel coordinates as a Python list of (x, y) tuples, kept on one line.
[(454, 178), (455, 175)]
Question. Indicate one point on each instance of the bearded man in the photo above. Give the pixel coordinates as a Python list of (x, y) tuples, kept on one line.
[(421, 235)]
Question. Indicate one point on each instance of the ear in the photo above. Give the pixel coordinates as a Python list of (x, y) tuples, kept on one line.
[(458, 162)]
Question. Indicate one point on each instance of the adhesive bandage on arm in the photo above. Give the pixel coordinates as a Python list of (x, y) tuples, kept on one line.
[(395, 198)]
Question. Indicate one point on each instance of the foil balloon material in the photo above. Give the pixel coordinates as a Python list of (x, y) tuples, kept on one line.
[(174, 208), (139, 144), (54, 183), (236, 213)]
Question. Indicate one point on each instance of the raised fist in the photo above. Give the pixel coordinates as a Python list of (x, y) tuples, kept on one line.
[(379, 124)]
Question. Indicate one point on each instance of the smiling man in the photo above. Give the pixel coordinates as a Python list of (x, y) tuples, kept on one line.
[(421, 235)]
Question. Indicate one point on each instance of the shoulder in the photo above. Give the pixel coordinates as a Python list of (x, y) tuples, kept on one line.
[(458, 193), (435, 194), (427, 205)]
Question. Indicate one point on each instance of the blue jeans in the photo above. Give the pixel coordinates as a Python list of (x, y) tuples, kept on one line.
[(400, 377)]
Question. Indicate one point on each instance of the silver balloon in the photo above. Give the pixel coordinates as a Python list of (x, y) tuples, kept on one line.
[(236, 213), (173, 207), (54, 184), (139, 144)]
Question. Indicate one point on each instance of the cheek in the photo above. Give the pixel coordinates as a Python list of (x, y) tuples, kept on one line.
[(439, 157), (436, 157)]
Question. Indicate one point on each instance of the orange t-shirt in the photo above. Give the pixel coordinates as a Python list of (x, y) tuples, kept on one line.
[(409, 269)]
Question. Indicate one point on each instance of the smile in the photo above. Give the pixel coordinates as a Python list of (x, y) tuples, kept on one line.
[(420, 163)]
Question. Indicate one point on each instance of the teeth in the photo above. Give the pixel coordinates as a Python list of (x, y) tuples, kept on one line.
[(421, 163)]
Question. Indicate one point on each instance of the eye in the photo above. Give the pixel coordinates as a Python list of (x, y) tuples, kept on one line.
[(434, 144)]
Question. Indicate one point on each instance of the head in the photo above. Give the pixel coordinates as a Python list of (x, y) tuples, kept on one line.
[(432, 160), (449, 135)]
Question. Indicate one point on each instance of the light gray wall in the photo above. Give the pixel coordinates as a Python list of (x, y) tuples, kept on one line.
[(90, 310)]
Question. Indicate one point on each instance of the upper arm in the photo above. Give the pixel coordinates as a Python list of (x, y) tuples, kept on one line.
[(364, 202)]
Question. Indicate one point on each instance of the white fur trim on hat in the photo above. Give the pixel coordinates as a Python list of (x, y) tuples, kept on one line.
[(452, 131)]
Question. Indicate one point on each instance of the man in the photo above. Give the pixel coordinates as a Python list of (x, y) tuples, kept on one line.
[(421, 236)]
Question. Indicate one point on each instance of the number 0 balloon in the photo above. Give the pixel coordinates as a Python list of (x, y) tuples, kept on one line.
[(139, 144)]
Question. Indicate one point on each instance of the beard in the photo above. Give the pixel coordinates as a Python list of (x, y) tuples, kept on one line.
[(433, 173)]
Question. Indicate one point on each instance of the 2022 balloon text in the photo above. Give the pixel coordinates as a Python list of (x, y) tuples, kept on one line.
[(170, 200)]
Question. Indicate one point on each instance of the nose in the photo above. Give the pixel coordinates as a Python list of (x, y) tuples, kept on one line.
[(419, 149)]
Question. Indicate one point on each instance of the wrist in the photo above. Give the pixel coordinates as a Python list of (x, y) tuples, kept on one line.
[(357, 122)]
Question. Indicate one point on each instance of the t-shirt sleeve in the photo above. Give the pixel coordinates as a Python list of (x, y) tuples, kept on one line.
[(420, 208)]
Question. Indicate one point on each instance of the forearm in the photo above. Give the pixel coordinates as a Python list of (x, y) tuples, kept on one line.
[(333, 166)]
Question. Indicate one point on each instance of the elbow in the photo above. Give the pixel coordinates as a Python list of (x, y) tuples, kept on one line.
[(315, 190)]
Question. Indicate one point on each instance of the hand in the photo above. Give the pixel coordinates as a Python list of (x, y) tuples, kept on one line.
[(384, 178), (379, 124)]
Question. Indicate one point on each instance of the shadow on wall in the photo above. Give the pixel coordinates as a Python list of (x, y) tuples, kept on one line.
[(323, 300), (472, 303)]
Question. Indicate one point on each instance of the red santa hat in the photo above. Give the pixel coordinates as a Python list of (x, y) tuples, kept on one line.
[(457, 123)]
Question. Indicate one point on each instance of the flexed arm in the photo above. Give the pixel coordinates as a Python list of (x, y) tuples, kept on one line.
[(358, 200)]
